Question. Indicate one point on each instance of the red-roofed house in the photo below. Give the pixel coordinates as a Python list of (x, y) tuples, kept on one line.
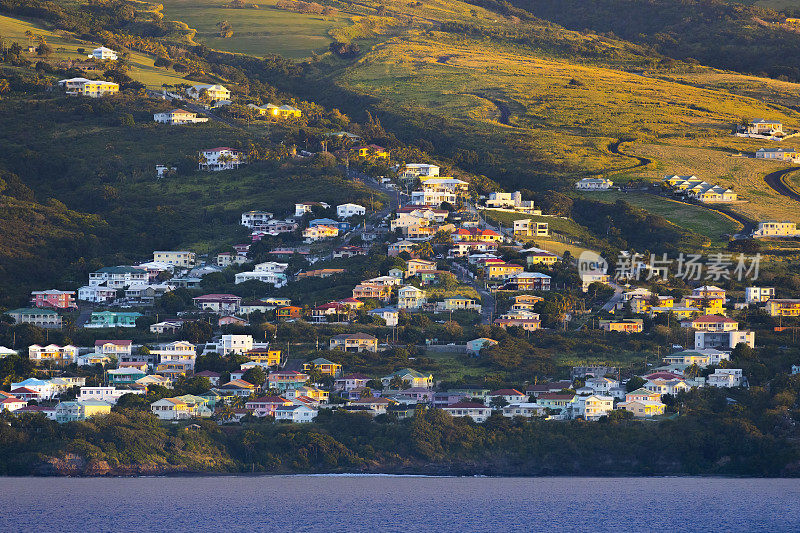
[(712, 323), (12, 404), (25, 394)]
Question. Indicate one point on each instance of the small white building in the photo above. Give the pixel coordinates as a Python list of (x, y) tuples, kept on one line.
[(350, 210), (104, 53), (725, 377), (389, 314), (178, 116), (220, 158), (415, 170), (594, 184), (295, 413), (252, 219)]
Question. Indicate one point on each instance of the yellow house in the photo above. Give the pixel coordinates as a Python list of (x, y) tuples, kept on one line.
[(264, 356), (323, 366), (628, 325), (275, 111), (96, 89), (91, 408), (714, 305), (314, 393), (640, 305), (644, 408), (679, 312), (371, 149), (502, 270), (783, 307)]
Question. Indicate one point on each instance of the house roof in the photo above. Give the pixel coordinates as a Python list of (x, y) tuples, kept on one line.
[(555, 396), (115, 342), (715, 319), (506, 392), (466, 405), (358, 336), (24, 390), (354, 375), (207, 374), (270, 399)]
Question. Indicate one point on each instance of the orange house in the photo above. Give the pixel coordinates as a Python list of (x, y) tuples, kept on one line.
[(288, 312)]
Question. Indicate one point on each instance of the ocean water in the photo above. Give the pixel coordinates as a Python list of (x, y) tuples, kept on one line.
[(398, 503)]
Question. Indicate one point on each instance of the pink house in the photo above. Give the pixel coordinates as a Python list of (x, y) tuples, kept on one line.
[(53, 298)]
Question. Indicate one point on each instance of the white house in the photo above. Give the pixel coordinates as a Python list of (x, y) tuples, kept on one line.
[(592, 407), (778, 154), (476, 411), (220, 158), (252, 219), (723, 340), (105, 394), (178, 116), (410, 297), (758, 295), (774, 228), (229, 344), (104, 53), (415, 170), (176, 352), (594, 184), (350, 210), (212, 92), (725, 377), (302, 208), (389, 314), (269, 272), (295, 413)]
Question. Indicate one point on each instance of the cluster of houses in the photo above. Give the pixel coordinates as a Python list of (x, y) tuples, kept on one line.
[(762, 128), (700, 190), (293, 396)]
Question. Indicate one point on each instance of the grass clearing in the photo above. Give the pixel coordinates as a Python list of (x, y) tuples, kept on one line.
[(65, 48), (257, 31), (692, 217)]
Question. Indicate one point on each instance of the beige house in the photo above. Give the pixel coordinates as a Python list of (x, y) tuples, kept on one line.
[(774, 228), (410, 297), (354, 342), (176, 258), (212, 92)]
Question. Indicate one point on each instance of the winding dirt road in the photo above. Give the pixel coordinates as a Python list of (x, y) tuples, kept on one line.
[(773, 179)]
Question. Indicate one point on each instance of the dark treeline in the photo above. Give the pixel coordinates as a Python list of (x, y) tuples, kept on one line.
[(729, 36), (750, 434)]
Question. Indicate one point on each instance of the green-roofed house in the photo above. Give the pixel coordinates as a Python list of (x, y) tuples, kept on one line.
[(323, 366), (44, 318), (112, 319), (414, 378)]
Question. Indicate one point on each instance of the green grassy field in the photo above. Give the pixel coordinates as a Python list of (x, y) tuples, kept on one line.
[(694, 218), (66, 48), (563, 226), (257, 31)]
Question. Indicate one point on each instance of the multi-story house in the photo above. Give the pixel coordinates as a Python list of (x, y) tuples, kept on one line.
[(179, 259), (476, 411), (224, 304), (354, 342), (97, 294), (178, 116), (210, 92), (117, 277), (529, 281), (44, 318), (220, 158), (112, 319), (119, 349), (103, 53), (783, 307), (410, 297), (53, 298), (531, 228), (758, 294), (774, 228), (254, 219), (502, 270)]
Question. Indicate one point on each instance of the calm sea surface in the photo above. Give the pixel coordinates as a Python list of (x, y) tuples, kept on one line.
[(390, 503)]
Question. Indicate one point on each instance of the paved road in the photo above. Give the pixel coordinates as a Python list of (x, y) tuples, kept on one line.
[(615, 298), (773, 179)]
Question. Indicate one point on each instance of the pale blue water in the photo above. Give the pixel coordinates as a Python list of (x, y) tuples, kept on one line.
[(409, 504)]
